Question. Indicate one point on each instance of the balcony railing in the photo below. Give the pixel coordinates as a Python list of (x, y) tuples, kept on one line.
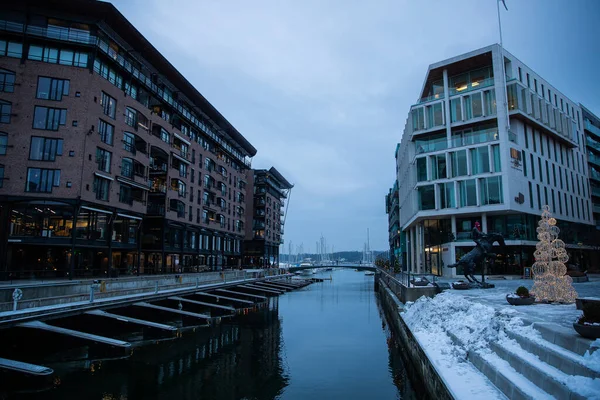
[(592, 143), (592, 128), (437, 96), (156, 209), (472, 86), (593, 158), (595, 191)]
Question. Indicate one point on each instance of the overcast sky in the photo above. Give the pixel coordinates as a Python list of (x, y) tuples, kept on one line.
[(322, 88)]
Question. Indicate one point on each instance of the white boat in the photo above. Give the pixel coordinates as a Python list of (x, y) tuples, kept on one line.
[(369, 273), (306, 271)]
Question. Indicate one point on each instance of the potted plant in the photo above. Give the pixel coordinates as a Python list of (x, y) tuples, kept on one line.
[(520, 297), (588, 325)]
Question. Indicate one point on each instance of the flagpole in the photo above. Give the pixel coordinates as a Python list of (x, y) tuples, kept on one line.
[(503, 66)]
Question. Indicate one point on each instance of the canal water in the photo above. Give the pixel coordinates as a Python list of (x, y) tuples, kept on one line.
[(326, 341)]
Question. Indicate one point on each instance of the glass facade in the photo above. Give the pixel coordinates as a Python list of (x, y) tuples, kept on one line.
[(490, 190), (426, 197), (468, 193)]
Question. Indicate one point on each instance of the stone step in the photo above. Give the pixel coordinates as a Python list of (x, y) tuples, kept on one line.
[(539, 373), (554, 355), (512, 384), (564, 337)]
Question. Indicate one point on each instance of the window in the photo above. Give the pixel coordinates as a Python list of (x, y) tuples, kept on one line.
[(103, 159), (106, 132), (520, 75), (101, 188), (491, 190), (52, 89), (49, 118), (45, 149), (435, 115), (438, 166), (496, 157), (531, 195), (131, 117), (42, 180), (447, 195), (421, 169), (524, 159), (7, 81), (468, 193), (5, 111), (1, 175), (480, 160), (426, 197), (109, 105), (54, 56), (455, 110), (532, 166), (418, 119), (11, 49), (129, 142), (3, 143), (489, 97), (540, 170), (127, 168), (458, 161)]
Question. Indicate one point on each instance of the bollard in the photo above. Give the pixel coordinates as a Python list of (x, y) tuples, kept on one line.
[(17, 295), (156, 287)]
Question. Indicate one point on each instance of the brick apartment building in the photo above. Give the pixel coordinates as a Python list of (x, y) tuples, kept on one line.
[(111, 162)]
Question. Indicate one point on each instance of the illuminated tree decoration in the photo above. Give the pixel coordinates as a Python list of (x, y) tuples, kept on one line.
[(549, 280)]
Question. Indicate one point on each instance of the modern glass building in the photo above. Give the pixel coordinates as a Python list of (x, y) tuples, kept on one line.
[(490, 140)]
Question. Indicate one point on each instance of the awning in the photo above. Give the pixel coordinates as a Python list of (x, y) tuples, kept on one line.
[(180, 158), (96, 209), (132, 183), (104, 176), (129, 216), (182, 139)]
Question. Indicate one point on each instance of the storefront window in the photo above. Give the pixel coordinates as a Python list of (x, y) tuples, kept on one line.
[(41, 220)]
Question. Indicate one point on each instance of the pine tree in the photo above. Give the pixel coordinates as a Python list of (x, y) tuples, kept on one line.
[(549, 280)]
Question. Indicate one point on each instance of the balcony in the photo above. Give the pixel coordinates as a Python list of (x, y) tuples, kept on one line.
[(593, 158), (158, 185), (595, 190), (592, 143), (258, 225), (592, 128), (594, 174)]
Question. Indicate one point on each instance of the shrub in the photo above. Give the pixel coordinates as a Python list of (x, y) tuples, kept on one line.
[(591, 312), (522, 291)]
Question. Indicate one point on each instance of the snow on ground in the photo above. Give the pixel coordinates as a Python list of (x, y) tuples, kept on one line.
[(478, 317)]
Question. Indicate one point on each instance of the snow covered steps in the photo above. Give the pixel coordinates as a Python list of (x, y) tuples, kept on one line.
[(524, 368), (555, 355)]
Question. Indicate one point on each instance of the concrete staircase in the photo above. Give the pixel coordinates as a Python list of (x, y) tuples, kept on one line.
[(537, 367)]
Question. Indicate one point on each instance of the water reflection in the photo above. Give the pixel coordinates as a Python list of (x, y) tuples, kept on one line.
[(325, 341)]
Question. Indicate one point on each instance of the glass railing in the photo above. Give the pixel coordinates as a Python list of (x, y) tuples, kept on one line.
[(431, 145), (471, 86), (592, 128), (593, 158), (595, 191), (437, 96), (594, 174), (592, 143)]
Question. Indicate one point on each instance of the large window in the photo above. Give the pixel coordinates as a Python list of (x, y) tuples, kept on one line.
[(5, 111), (45, 149), (426, 197), (42, 180), (103, 159), (447, 195), (131, 117), (418, 119), (54, 56), (129, 142), (109, 105), (468, 193), (106, 132), (480, 160), (435, 115), (438, 166), (11, 49), (52, 89), (491, 190), (496, 157), (101, 188), (455, 110), (421, 169), (7, 81), (49, 118), (3, 143), (458, 161), (127, 168), (489, 97)]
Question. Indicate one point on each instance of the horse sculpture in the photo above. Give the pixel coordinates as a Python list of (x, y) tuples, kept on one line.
[(481, 252)]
